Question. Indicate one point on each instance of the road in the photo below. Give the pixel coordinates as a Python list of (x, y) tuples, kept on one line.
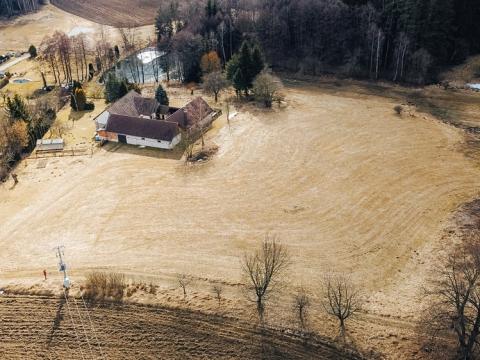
[(15, 61)]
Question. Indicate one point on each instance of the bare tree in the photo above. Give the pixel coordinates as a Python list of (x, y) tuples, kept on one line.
[(184, 281), (342, 298), (214, 83), (456, 299), (217, 289), (301, 303), (263, 268), (266, 88)]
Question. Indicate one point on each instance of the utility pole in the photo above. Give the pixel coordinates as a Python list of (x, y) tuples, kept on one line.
[(62, 266)]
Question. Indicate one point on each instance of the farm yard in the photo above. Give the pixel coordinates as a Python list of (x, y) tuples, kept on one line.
[(342, 180)]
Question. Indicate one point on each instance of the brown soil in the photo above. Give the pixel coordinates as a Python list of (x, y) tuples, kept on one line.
[(118, 13), (41, 328)]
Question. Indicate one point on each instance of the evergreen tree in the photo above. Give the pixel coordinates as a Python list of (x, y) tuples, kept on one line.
[(112, 85), (245, 66), (78, 99), (123, 89), (33, 51), (117, 52), (17, 108), (257, 61), (161, 95)]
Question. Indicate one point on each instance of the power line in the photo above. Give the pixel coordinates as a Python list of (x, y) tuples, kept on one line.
[(73, 323), (83, 327), (93, 327)]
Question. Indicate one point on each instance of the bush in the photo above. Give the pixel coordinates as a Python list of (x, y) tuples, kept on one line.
[(398, 109), (89, 106), (33, 51), (4, 82), (78, 99), (101, 286)]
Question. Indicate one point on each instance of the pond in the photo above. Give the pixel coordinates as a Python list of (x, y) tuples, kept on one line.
[(21, 81), (142, 67)]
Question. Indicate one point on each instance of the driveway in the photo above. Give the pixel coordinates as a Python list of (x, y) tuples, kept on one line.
[(8, 64)]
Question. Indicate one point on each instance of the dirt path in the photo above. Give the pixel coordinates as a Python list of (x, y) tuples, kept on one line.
[(13, 62), (41, 328)]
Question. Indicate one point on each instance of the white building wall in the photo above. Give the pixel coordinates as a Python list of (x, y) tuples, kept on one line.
[(135, 140), (101, 120)]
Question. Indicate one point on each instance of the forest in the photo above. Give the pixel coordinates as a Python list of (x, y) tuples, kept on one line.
[(406, 41), (399, 40), (16, 7)]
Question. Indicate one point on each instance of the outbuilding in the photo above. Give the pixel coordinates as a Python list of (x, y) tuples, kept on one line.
[(49, 145)]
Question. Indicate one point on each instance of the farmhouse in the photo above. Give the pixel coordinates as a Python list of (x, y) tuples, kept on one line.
[(140, 121), (133, 120)]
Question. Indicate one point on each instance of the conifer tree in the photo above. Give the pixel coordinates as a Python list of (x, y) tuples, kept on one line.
[(161, 95)]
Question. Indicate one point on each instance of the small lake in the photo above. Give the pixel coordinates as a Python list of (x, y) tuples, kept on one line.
[(21, 81), (142, 67)]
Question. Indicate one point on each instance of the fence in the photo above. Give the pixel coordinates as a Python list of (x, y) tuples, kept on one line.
[(39, 154)]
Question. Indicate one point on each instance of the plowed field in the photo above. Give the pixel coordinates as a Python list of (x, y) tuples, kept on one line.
[(49, 328), (118, 13)]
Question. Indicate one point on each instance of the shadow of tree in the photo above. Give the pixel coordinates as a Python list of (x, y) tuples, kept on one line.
[(56, 321)]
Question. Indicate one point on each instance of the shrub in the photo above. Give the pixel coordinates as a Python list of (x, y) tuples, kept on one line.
[(398, 109), (89, 106), (33, 51), (78, 99), (265, 88), (101, 286), (4, 82)]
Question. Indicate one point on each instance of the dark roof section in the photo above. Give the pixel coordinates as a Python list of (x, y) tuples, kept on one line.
[(146, 128), (134, 105), (192, 113), (179, 118), (196, 110)]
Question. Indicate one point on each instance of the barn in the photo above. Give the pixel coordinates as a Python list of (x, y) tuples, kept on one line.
[(134, 120), (140, 131)]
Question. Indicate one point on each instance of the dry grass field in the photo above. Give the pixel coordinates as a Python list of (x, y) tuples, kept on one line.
[(112, 12), (344, 182)]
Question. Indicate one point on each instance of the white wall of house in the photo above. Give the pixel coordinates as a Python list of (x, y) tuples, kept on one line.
[(161, 144), (101, 120)]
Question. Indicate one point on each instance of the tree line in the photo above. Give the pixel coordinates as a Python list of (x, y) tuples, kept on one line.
[(21, 125), (16, 7), (399, 40)]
